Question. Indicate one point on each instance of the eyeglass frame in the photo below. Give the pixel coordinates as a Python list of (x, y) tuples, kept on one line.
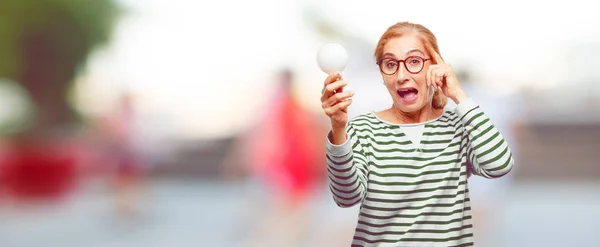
[(403, 62)]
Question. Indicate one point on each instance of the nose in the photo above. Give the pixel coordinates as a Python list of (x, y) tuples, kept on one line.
[(402, 74)]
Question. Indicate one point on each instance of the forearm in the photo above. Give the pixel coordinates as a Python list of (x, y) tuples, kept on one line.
[(338, 135)]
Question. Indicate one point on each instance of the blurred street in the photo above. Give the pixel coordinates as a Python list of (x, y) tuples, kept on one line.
[(181, 213)]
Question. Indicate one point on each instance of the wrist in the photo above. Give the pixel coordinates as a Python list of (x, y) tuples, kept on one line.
[(338, 136), (460, 96), (338, 126)]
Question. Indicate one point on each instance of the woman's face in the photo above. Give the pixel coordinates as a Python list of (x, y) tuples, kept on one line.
[(408, 87)]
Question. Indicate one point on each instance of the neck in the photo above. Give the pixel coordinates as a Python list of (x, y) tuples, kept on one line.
[(425, 114)]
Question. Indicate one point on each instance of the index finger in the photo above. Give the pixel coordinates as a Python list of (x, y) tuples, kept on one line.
[(437, 59), (332, 78)]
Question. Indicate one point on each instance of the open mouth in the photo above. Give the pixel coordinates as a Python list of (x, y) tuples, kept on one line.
[(407, 94)]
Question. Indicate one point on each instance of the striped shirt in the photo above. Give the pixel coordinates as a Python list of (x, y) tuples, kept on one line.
[(415, 194)]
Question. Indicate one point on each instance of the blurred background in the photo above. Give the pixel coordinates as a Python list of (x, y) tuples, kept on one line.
[(198, 123)]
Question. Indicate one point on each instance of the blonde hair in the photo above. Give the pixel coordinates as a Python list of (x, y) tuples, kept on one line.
[(439, 99)]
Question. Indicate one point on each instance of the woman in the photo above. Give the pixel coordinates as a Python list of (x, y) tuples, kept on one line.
[(408, 165)]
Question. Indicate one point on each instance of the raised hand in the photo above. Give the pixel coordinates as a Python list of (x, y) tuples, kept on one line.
[(335, 102), (441, 75)]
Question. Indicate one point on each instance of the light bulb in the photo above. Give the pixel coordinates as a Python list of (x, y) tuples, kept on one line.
[(332, 58)]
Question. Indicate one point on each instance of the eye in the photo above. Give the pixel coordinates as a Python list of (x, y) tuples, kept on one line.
[(414, 61), (390, 64)]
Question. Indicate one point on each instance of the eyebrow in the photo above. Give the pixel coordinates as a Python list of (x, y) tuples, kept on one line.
[(386, 55), (415, 50)]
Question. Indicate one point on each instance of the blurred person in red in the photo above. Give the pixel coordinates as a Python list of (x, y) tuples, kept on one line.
[(282, 155)]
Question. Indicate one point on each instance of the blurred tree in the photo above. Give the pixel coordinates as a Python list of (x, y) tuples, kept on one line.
[(43, 44)]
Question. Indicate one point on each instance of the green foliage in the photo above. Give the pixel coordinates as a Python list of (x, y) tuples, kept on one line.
[(75, 28)]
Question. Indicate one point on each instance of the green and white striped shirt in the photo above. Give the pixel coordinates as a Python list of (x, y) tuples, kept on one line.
[(415, 194)]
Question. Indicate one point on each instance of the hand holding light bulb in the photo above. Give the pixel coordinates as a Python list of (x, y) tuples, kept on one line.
[(332, 59)]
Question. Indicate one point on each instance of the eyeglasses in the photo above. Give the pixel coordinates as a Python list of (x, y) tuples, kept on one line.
[(413, 64)]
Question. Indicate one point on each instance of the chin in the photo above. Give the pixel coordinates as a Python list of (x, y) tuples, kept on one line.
[(409, 107)]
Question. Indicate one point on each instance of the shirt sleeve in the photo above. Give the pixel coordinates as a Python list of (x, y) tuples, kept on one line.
[(347, 169), (488, 154)]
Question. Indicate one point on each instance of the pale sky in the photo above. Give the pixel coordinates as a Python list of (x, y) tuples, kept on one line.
[(205, 67)]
